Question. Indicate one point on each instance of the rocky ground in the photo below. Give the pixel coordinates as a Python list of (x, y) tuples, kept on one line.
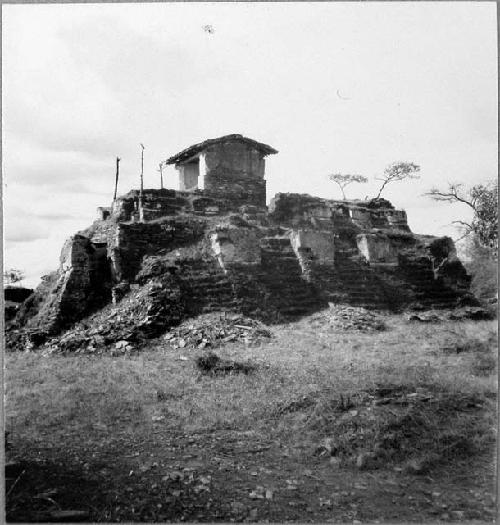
[(214, 329)]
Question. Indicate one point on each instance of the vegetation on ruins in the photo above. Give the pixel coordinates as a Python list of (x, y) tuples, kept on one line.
[(481, 232), (344, 179), (482, 199), (397, 171), (12, 276)]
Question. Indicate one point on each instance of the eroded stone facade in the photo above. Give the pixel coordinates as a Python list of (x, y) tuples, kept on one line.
[(221, 248)]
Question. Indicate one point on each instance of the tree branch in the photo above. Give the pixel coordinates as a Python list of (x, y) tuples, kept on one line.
[(463, 223), (451, 195)]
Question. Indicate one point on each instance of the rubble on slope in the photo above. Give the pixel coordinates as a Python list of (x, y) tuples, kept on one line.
[(472, 313), (141, 316), (214, 329), (348, 318), (117, 329)]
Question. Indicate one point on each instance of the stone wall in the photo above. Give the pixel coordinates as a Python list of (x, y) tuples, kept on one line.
[(188, 175), (239, 157), (377, 248), (157, 203), (236, 245), (320, 245), (305, 252), (164, 203), (132, 241), (77, 266), (297, 209), (236, 190), (235, 171), (80, 285)]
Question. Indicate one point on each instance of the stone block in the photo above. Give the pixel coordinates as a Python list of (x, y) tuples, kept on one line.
[(376, 248), (236, 245), (321, 244)]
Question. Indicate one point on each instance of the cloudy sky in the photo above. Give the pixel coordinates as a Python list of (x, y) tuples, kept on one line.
[(335, 87)]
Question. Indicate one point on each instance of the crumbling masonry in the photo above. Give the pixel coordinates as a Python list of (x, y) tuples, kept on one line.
[(214, 245)]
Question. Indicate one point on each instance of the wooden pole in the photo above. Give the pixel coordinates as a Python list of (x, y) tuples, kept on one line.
[(116, 178), (141, 213), (161, 174), (142, 168)]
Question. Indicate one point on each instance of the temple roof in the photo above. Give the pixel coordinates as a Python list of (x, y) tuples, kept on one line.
[(198, 148)]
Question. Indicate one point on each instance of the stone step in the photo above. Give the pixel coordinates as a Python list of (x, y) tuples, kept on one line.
[(271, 254), (275, 241), (218, 308), (209, 287), (201, 280), (298, 286), (204, 299)]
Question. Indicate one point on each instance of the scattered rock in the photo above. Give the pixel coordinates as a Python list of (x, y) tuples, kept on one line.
[(139, 316), (124, 346), (334, 461), (237, 507), (458, 314), (424, 318), (253, 515), (416, 466), (366, 461), (473, 313), (258, 493), (292, 484), (349, 318), (213, 329)]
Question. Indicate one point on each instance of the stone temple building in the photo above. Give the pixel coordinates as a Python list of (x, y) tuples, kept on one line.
[(215, 176), (213, 244), (232, 165)]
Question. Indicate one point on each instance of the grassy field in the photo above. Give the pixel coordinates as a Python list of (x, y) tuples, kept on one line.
[(331, 425)]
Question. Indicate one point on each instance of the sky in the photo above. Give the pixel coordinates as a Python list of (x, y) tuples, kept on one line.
[(334, 87)]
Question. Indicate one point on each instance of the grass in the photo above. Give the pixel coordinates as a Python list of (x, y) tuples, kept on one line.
[(311, 385)]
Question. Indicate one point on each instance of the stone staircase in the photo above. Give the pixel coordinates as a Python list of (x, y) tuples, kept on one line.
[(428, 291), (281, 274), (293, 286), (351, 281), (379, 221), (205, 287)]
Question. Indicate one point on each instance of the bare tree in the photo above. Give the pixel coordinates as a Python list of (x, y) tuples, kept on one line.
[(482, 199), (344, 179), (398, 171)]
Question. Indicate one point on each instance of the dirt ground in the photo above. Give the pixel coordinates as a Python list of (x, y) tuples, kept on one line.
[(218, 478)]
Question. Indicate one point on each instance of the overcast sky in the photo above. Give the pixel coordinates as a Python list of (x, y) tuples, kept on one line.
[(334, 87)]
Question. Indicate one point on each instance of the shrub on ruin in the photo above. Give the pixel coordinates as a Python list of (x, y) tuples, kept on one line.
[(398, 171), (344, 179)]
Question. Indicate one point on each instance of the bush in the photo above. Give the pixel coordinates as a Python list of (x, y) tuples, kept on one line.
[(483, 268)]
